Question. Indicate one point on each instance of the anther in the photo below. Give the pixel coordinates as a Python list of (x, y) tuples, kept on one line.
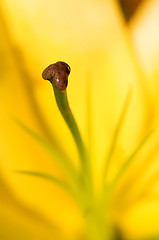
[(57, 74)]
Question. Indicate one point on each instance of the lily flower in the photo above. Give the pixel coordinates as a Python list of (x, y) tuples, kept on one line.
[(78, 162)]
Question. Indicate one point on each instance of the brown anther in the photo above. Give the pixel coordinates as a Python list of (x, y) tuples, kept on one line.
[(57, 74)]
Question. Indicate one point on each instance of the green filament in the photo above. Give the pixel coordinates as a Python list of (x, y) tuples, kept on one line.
[(63, 105), (86, 172)]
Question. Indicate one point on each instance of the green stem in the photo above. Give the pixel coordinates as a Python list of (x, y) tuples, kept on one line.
[(63, 105)]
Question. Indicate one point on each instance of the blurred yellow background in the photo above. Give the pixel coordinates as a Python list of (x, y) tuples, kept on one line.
[(110, 51)]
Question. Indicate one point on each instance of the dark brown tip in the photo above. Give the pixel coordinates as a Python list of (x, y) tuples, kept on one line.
[(57, 74)]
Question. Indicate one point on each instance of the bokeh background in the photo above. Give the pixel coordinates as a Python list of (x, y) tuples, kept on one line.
[(111, 46)]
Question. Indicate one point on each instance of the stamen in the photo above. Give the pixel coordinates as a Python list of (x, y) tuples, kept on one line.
[(57, 74)]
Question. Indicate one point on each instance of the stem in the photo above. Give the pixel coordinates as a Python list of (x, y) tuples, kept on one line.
[(63, 105)]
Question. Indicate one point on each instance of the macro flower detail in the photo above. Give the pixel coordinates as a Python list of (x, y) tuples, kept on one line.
[(79, 161)]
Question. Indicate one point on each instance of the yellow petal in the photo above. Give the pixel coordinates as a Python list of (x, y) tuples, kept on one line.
[(19, 221), (145, 38)]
